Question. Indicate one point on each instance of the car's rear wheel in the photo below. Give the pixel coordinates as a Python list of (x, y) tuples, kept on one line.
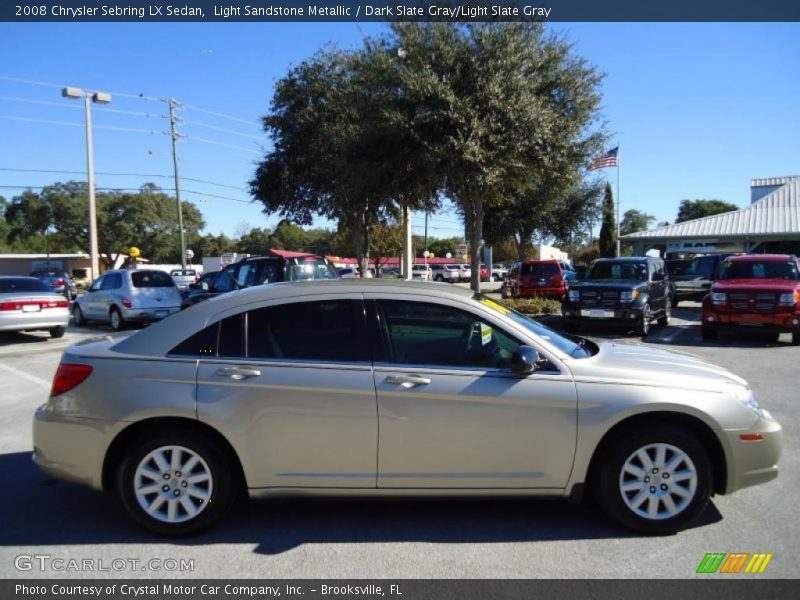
[(77, 316), (175, 484), (656, 479), (664, 319), (57, 332), (117, 321)]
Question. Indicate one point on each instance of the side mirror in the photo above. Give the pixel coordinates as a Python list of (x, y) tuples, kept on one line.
[(524, 360)]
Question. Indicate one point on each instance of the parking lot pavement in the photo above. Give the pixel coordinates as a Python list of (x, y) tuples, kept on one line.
[(399, 538)]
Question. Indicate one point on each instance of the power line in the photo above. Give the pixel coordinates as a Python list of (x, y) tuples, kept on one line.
[(70, 124), (159, 175), (76, 107), (117, 189)]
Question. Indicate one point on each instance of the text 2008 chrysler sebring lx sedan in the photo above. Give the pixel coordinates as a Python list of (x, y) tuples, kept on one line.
[(365, 387)]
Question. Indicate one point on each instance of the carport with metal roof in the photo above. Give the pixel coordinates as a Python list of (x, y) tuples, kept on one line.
[(770, 223)]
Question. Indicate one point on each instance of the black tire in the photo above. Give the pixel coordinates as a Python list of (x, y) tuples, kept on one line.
[(663, 320), (223, 485), (610, 477), (77, 316), (57, 332), (644, 322), (116, 319), (708, 334)]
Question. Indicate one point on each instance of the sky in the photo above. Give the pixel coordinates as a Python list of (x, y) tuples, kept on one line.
[(698, 110)]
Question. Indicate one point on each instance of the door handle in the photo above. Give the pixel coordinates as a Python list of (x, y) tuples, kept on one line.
[(238, 372), (407, 381)]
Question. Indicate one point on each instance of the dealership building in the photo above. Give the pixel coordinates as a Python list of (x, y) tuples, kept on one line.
[(771, 223)]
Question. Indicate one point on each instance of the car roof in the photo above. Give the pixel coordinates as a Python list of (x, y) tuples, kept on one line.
[(761, 258), (161, 337)]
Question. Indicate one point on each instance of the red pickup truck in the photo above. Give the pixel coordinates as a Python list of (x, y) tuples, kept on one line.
[(760, 291)]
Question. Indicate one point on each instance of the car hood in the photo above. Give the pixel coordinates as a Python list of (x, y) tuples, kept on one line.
[(759, 285), (645, 365)]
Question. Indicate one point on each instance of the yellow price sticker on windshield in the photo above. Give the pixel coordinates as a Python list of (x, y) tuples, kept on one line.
[(495, 305)]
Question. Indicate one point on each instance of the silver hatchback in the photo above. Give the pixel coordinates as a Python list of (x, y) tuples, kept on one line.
[(124, 296), (392, 388)]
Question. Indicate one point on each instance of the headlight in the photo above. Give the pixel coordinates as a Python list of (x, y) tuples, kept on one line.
[(746, 397), (628, 295), (574, 295), (719, 298), (789, 299)]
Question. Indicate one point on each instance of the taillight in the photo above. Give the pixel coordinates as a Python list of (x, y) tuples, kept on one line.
[(126, 302), (69, 376), (18, 304)]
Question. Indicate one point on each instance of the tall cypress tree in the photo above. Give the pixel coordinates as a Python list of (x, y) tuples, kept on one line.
[(608, 231)]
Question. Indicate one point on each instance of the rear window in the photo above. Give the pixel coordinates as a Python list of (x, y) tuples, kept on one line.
[(542, 270), (145, 279), (759, 270), (22, 284)]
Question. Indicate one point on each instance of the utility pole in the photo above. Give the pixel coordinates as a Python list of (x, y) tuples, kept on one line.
[(175, 135)]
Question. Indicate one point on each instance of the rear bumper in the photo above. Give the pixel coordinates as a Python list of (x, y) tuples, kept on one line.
[(144, 315), (46, 319), (72, 449), (753, 462)]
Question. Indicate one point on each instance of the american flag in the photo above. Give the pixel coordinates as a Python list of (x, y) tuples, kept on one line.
[(609, 159)]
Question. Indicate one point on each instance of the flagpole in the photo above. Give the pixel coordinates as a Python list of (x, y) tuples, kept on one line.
[(618, 203)]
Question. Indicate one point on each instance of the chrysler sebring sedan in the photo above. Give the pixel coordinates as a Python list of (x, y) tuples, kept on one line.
[(371, 387)]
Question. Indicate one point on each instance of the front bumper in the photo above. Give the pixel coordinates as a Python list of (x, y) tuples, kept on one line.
[(628, 314), (777, 322), (753, 462), (71, 448)]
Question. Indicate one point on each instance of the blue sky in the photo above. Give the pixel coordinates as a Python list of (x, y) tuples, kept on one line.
[(698, 109)]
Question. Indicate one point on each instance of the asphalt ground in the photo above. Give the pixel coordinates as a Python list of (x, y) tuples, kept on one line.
[(393, 538)]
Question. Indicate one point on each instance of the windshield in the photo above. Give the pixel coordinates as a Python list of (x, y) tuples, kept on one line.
[(618, 270), (747, 269), (569, 344)]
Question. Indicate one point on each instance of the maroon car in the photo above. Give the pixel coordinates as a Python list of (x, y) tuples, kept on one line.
[(755, 291)]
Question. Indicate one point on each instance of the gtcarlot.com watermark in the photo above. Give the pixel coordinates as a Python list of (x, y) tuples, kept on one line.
[(57, 564)]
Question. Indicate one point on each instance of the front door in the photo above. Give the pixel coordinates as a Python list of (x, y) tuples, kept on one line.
[(451, 413)]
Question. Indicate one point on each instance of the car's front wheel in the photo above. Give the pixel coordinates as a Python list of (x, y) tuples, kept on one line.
[(656, 479), (175, 484)]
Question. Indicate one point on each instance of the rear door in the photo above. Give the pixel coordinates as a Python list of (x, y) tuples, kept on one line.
[(451, 413), (292, 384)]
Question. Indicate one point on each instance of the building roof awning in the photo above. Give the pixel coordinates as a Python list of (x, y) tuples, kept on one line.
[(775, 216)]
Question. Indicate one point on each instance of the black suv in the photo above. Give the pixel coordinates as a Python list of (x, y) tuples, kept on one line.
[(634, 291), (258, 270), (695, 282)]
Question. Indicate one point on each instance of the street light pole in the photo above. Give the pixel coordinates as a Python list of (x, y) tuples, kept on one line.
[(88, 98)]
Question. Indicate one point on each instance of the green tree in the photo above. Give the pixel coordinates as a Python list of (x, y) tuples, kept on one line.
[(634, 220), (287, 236), (697, 209), (255, 241), (501, 106), (608, 230)]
